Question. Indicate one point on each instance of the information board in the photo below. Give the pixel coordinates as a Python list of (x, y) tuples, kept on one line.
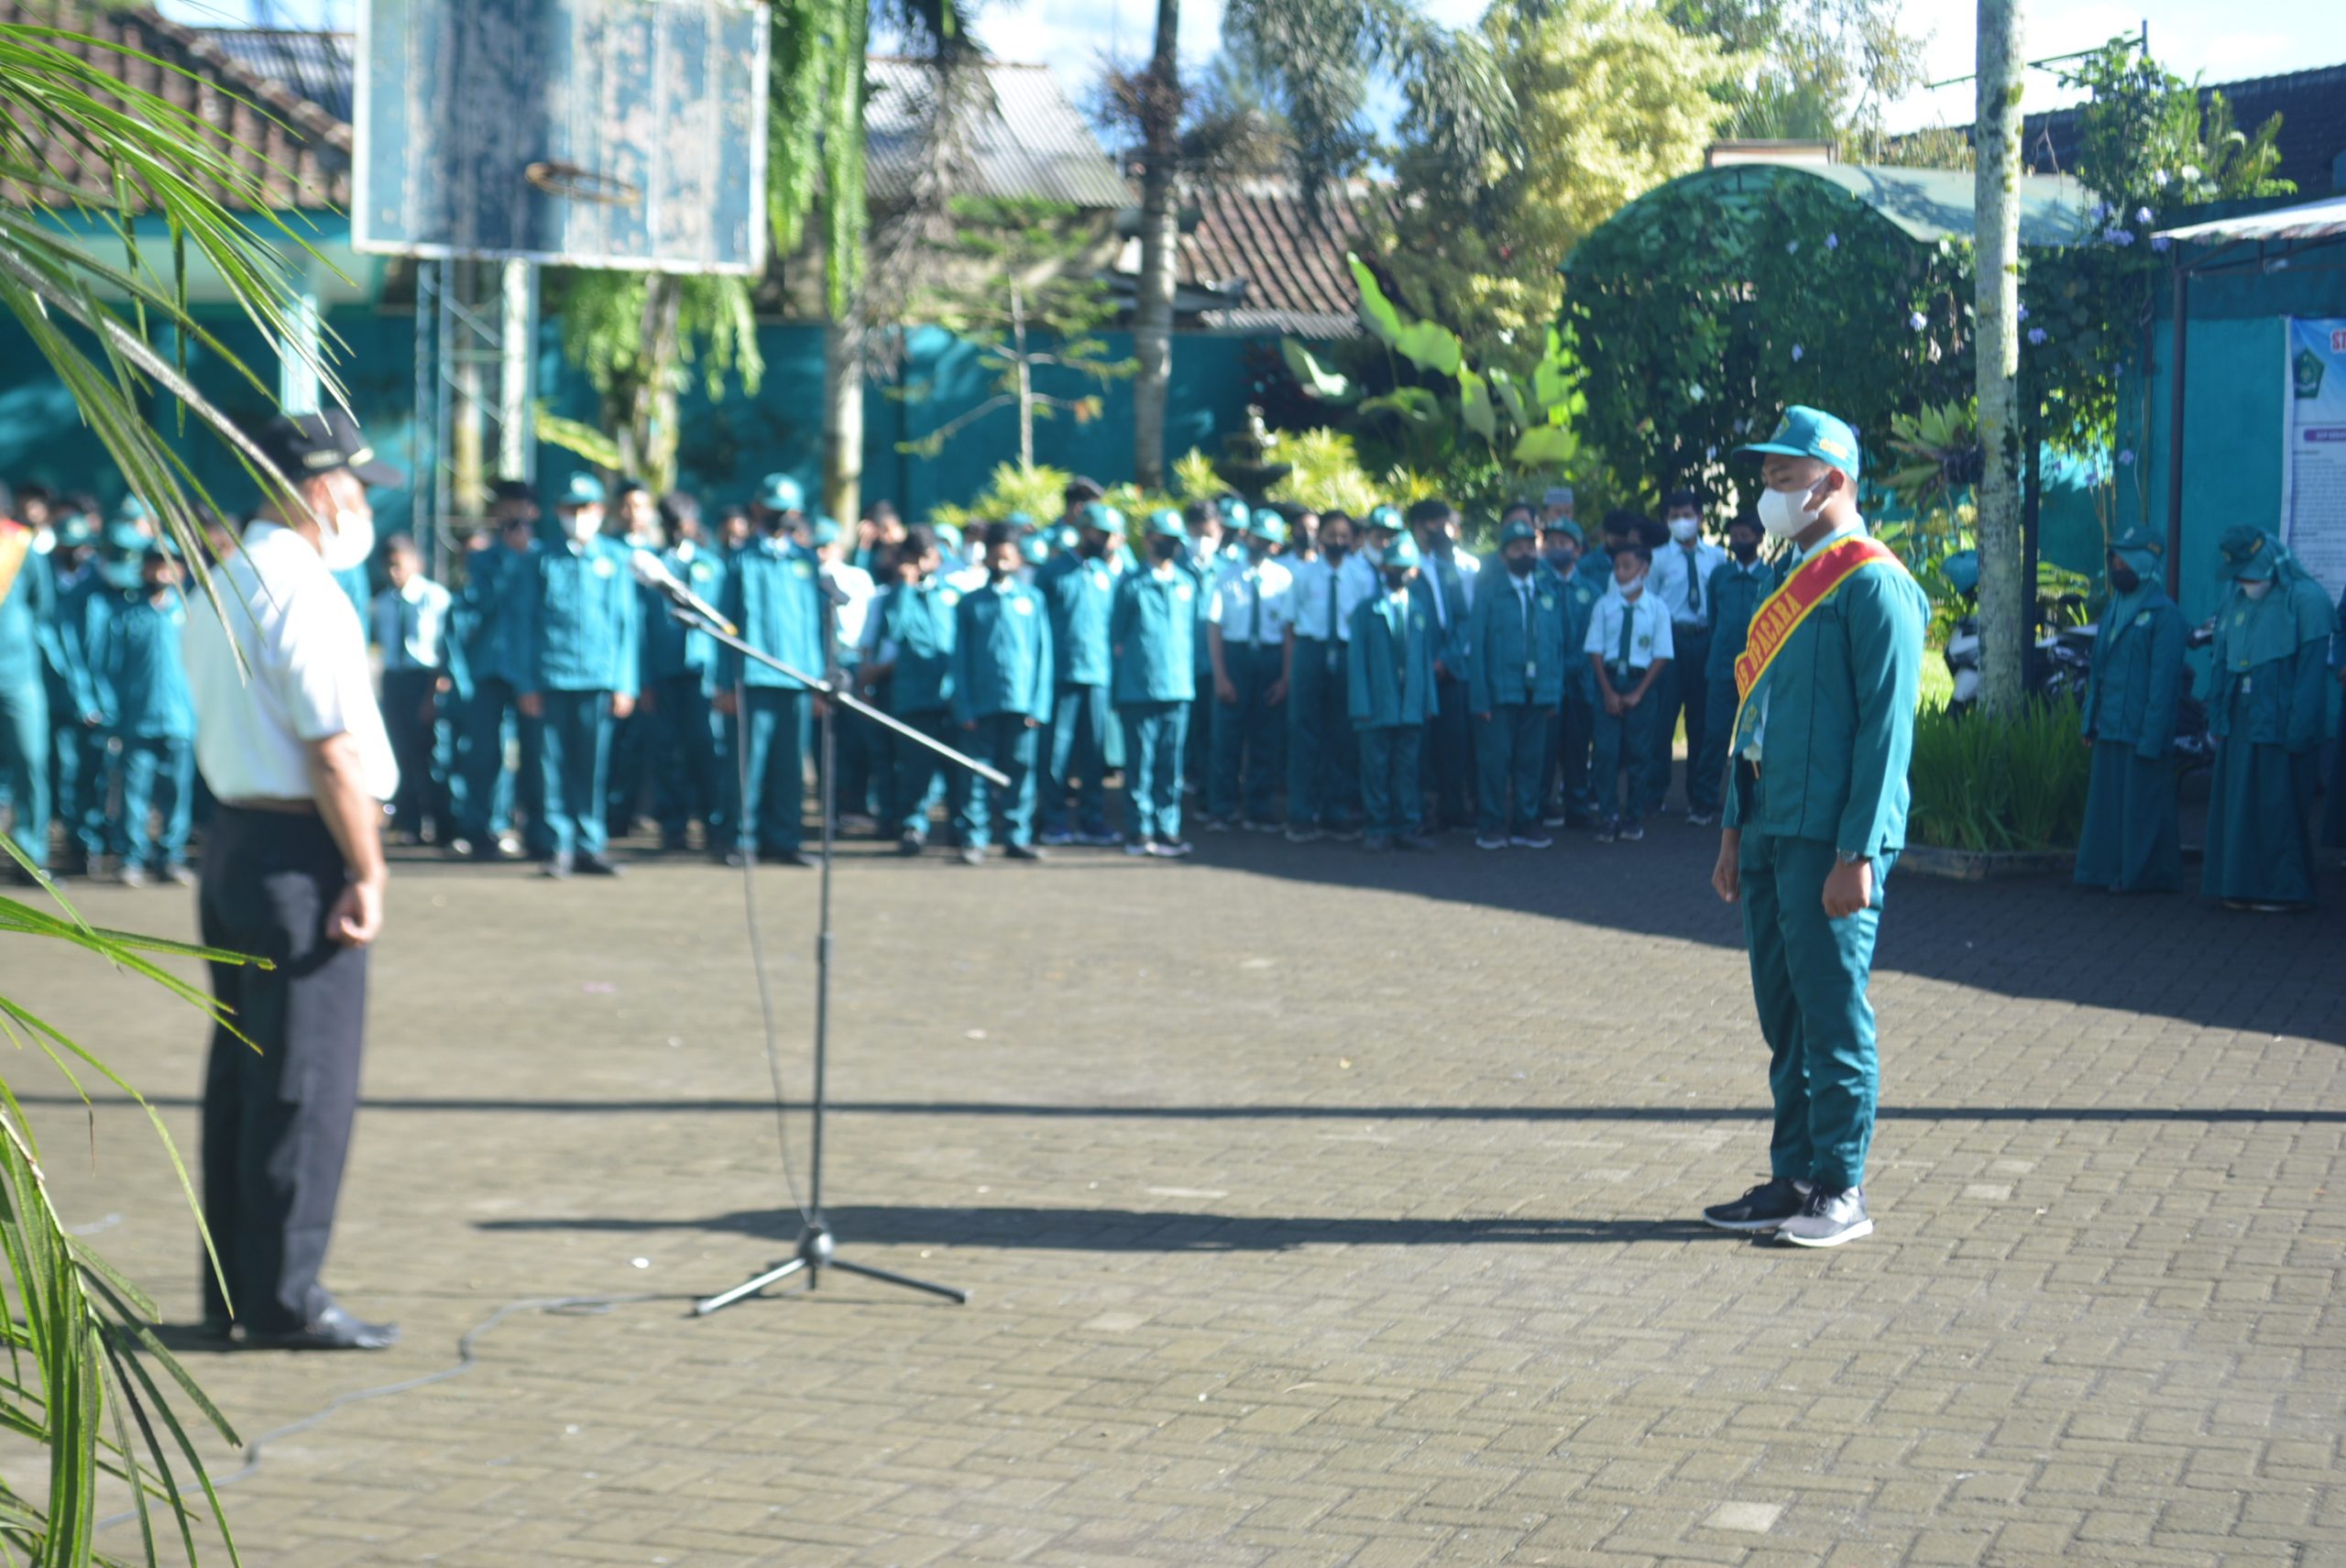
[(2313, 458)]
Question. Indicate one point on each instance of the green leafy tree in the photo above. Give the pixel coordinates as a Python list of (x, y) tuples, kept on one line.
[(1812, 70), (1014, 288), (639, 336), (1615, 99)]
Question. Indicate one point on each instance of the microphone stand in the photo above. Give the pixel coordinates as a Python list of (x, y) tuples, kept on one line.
[(817, 1246)]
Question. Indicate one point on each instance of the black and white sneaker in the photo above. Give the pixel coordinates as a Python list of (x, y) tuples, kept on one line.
[(1832, 1215), (1761, 1210), (1529, 842)]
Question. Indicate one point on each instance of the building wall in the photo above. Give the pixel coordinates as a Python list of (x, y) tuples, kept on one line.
[(726, 444), (2232, 413)]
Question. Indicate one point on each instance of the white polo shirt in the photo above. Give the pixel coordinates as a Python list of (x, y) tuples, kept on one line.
[(1250, 603), (304, 677)]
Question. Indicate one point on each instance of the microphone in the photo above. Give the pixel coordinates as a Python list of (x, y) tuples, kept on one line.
[(653, 573)]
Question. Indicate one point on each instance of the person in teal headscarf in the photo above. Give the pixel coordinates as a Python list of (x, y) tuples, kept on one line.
[(2268, 704), (2130, 843)]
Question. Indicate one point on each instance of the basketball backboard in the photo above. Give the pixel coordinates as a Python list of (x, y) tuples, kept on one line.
[(582, 133)]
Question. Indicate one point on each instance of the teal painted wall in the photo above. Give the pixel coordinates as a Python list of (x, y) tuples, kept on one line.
[(2231, 440), (726, 444)]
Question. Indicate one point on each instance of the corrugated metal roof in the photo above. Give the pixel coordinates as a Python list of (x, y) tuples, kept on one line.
[(2311, 219), (1025, 139), (316, 66), (2312, 138)]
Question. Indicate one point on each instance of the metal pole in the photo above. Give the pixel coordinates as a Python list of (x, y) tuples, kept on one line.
[(2180, 342)]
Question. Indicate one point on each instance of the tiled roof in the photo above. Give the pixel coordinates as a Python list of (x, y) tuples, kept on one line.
[(2312, 140), (1281, 269), (316, 66), (297, 151), (1026, 139)]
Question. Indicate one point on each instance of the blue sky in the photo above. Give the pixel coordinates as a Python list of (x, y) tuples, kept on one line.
[(2218, 40)]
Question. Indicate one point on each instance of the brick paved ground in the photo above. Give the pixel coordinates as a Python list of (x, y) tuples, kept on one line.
[(1319, 1209)]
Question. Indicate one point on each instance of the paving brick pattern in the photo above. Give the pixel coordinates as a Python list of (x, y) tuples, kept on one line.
[(1319, 1209)]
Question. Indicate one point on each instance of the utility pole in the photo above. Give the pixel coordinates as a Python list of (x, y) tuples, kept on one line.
[(2005, 599)]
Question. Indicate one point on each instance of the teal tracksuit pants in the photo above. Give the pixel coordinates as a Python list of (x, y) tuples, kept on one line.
[(1323, 760), (1809, 976), (1389, 787), (1079, 757), (1155, 735), (771, 729), (575, 751), (1244, 730), (158, 779), (1510, 750), (1009, 742), (923, 778)]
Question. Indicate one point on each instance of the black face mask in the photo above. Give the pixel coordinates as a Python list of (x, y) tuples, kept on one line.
[(1396, 581), (1335, 553), (1164, 549), (1521, 565), (1091, 548), (1745, 550), (998, 574), (2123, 580)]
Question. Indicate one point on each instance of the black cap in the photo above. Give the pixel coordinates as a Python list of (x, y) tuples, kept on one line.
[(1682, 497), (513, 490), (1080, 488), (303, 447)]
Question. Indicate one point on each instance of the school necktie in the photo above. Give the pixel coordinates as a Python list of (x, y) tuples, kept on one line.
[(1254, 615), (1332, 604), (1629, 631), (1694, 585), (1530, 652), (1440, 597), (408, 637)]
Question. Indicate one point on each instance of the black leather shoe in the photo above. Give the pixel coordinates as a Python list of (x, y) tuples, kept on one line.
[(1026, 852), (789, 857), (332, 1329), (596, 865)]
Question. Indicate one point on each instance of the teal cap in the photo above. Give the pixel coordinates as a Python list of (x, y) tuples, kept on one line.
[(947, 534), (1166, 524), (2140, 548), (1102, 518), (581, 489), (1518, 529), (1385, 517), (1234, 511), (124, 538), (1019, 518), (1812, 433), (1403, 552), (1035, 549), (130, 509), (2249, 555), (825, 533), (73, 531), (1566, 525), (1268, 524), (780, 492)]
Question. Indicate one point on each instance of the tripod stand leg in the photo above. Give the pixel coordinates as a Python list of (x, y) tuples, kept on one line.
[(751, 1287), (906, 1280)]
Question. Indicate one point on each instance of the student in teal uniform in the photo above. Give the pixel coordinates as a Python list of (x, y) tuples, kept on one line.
[(1246, 621), (2130, 843), (1323, 760), (581, 623), (1815, 816), (911, 673), (1628, 652), (1079, 585), (1389, 675), (689, 766), (142, 683), (70, 563), (1152, 636), (773, 592), (1737, 588), (1445, 587), (1570, 802), (1517, 656), (80, 726), (1002, 692), (488, 623), (28, 650), (2267, 708)]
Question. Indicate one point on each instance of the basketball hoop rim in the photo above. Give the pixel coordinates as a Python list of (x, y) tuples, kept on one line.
[(574, 184)]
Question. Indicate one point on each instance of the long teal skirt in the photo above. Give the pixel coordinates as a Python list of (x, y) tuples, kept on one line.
[(2259, 824), (2130, 843)]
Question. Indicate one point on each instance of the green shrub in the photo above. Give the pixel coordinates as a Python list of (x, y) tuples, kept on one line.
[(1983, 783)]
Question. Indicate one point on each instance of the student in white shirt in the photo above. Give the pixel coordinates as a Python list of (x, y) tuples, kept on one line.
[(1681, 575), (1246, 639), (1629, 650), (410, 626)]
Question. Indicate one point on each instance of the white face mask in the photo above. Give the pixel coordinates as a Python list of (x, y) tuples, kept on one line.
[(583, 525), (1683, 529), (350, 542), (1633, 587), (2257, 590), (1783, 516)]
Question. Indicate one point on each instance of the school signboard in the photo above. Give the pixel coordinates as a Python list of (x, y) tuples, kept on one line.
[(2313, 459)]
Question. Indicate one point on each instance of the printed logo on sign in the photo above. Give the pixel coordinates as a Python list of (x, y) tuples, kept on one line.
[(2338, 340), (2309, 370)]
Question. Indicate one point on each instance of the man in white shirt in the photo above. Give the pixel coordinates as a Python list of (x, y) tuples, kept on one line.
[(411, 626), (292, 745), (849, 590), (1682, 576)]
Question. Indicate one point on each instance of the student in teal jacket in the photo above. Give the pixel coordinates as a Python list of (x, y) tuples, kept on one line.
[(1572, 801), (1736, 589), (773, 593), (1390, 674), (1815, 816), (2267, 708), (910, 670), (1153, 635), (29, 652), (488, 622), (581, 624), (688, 765), (1080, 585), (2130, 843), (1002, 694), (1517, 658), (142, 684)]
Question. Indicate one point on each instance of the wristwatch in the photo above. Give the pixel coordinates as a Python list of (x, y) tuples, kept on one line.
[(1848, 857)]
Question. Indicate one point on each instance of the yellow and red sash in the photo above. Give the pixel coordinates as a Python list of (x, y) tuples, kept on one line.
[(15, 543), (1780, 613)]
